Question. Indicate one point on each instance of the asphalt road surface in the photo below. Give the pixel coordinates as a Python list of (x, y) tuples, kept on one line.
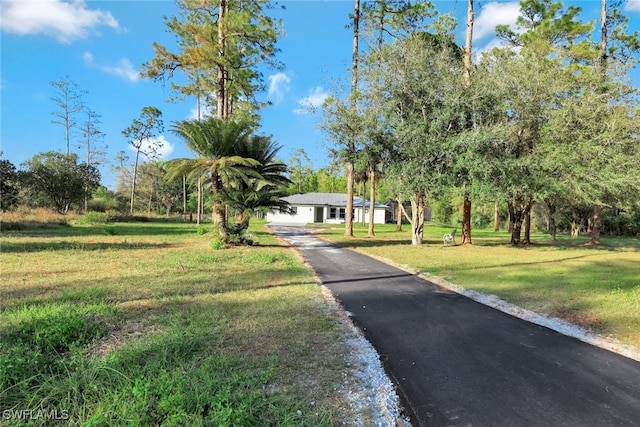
[(456, 362)]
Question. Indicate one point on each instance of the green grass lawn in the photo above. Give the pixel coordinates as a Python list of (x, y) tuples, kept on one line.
[(146, 324), (594, 287)]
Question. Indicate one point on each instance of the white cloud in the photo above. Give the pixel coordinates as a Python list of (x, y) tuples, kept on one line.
[(87, 57), (124, 68), (632, 6), (493, 14), (316, 98), (163, 150), (65, 21), (278, 86)]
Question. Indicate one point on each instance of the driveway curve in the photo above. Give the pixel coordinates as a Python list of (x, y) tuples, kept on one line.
[(456, 362)]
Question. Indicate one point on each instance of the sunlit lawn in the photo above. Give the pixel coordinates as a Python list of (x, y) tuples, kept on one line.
[(594, 287), (146, 324)]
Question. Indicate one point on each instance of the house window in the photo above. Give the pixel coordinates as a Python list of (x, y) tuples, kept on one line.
[(337, 213)]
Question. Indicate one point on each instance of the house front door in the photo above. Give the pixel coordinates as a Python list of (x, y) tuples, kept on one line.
[(319, 214)]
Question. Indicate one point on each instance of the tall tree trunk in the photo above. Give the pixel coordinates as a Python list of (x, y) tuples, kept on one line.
[(603, 36), (399, 215), (468, 43), (150, 202), (372, 201), (512, 214), (86, 192), (133, 182), (517, 227), (199, 207), (551, 219), (517, 219), (466, 220), (496, 215), (596, 222), (218, 211), (348, 217), (364, 193), (527, 223), (348, 224), (199, 204), (597, 210), (466, 204), (184, 195), (221, 94), (418, 206)]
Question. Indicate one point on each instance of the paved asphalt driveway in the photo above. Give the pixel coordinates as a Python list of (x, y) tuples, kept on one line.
[(456, 362)]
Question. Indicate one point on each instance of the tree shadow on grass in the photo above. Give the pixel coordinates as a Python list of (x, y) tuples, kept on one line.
[(431, 242), (110, 229), (50, 246), (178, 281)]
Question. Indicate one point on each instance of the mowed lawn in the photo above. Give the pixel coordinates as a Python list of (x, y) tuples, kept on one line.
[(597, 288), (147, 324)]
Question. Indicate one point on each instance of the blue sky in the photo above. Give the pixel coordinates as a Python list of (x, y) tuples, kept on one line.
[(100, 46)]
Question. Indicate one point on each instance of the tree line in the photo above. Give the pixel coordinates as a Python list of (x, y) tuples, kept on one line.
[(549, 118), (548, 121), (220, 48)]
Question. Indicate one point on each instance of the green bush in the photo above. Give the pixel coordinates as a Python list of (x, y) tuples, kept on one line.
[(202, 230), (218, 244), (91, 218), (238, 235), (442, 211)]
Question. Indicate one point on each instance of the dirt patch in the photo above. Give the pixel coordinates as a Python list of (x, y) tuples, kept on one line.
[(580, 318), (121, 335)]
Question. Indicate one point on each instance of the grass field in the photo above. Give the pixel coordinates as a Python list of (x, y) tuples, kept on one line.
[(146, 324), (597, 288)]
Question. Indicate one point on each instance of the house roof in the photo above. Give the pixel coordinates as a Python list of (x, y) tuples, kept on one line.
[(326, 199)]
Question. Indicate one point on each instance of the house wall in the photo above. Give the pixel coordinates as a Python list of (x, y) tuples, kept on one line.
[(304, 215), (379, 216)]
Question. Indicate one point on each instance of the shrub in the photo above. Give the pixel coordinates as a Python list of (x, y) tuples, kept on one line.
[(91, 218), (219, 244), (202, 230), (238, 235)]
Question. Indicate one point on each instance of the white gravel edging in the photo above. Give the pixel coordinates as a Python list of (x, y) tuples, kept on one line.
[(373, 395)]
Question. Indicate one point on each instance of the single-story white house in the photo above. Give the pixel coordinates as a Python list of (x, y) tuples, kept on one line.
[(327, 208)]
